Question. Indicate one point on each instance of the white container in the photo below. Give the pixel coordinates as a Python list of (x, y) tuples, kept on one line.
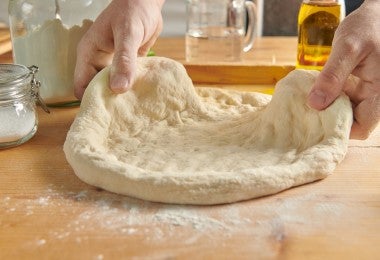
[(46, 34)]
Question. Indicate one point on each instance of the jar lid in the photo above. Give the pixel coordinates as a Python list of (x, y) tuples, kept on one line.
[(12, 83), (13, 73)]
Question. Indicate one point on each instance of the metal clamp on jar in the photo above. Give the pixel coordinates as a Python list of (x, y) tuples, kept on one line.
[(19, 93)]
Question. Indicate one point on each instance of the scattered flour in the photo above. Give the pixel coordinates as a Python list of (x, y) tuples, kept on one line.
[(41, 242), (88, 213), (180, 217), (43, 201), (99, 257)]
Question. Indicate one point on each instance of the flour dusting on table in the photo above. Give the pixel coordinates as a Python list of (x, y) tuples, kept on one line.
[(88, 213)]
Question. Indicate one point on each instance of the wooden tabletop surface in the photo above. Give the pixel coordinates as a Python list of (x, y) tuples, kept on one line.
[(46, 212)]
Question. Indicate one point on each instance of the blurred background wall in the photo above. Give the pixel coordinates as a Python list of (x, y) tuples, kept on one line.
[(280, 16), (3, 12)]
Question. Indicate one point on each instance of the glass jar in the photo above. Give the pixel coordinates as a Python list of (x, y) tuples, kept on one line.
[(317, 23), (45, 33), (18, 97)]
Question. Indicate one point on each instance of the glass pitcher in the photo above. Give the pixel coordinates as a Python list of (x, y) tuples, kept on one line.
[(219, 30)]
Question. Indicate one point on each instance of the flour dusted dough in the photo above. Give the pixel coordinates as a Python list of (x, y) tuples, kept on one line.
[(167, 141)]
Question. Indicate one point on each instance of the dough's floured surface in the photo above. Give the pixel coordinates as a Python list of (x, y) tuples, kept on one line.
[(167, 141)]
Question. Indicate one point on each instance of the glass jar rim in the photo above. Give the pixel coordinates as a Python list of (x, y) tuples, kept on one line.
[(14, 82), (11, 74), (18, 82)]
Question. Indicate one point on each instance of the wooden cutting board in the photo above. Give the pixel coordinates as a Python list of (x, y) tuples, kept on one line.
[(5, 41)]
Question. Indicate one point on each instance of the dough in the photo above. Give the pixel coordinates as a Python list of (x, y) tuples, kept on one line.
[(167, 141)]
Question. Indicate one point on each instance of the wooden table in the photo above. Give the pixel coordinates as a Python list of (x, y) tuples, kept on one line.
[(46, 212)]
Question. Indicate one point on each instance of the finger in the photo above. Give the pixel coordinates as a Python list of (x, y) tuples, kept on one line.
[(330, 82), (143, 51), (82, 76), (367, 117), (124, 62), (84, 70), (87, 68)]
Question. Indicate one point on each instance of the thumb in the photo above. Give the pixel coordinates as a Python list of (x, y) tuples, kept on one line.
[(124, 62), (330, 82), (326, 89)]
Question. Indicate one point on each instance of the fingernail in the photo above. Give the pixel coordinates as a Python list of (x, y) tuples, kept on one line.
[(119, 84), (317, 98)]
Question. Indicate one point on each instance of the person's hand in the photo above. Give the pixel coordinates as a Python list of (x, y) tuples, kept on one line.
[(124, 30), (356, 51)]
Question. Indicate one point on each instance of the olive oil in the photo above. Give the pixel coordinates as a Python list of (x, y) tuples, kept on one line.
[(317, 23)]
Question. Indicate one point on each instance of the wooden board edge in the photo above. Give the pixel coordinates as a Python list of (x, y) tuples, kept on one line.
[(5, 47), (5, 35)]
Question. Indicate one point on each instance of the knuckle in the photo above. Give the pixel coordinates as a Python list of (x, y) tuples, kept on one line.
[(123, 59), (350, 46), (332, 77), (122, 63)]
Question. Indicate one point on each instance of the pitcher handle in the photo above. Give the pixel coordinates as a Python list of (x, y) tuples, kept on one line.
[(252, 25)]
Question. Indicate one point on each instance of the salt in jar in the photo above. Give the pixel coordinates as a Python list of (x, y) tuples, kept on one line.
[(18, 97)]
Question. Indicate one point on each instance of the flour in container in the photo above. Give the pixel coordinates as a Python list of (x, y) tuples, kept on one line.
[(52, 47)]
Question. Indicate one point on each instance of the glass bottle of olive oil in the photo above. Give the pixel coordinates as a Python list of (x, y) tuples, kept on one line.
[(317, 22)]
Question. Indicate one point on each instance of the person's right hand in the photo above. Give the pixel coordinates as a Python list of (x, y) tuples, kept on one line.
[(125, 30), (356, 51)]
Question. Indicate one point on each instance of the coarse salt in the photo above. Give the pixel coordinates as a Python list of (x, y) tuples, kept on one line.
[(16, 122)]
